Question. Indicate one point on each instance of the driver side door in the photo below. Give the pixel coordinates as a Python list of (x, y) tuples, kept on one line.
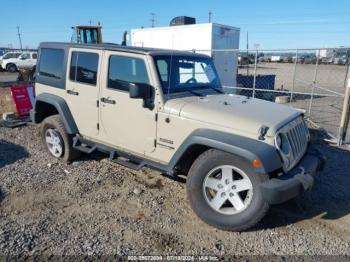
[(125, 122)]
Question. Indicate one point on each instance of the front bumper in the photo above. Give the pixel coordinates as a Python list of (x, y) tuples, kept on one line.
[(295, 182)]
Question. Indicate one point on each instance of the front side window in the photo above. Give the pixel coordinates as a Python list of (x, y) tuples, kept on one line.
[(34, 55), (183, 73), (25, 56), (51, 63), (83, 67), (124, 70)]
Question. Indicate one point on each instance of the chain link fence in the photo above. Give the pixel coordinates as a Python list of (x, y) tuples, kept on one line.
[(312, 80)]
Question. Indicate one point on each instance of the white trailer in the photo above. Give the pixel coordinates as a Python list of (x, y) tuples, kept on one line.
[(201, 38), (325, 55), (276, 58)]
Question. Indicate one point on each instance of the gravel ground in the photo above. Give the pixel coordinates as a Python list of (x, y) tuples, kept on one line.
[(95, 208)]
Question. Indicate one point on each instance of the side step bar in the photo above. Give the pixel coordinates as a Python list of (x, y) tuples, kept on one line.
[(83, 145), (128, 163), (126, 160), (120, 158)]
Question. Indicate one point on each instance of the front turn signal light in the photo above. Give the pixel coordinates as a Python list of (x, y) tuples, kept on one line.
[(256, 163)]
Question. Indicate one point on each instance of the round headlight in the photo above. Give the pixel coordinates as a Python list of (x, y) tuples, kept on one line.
[(282, 143)]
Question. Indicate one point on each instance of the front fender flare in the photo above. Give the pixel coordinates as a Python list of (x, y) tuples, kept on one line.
[(244, 147)]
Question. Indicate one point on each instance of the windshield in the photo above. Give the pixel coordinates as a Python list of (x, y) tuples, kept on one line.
[(186, 73)]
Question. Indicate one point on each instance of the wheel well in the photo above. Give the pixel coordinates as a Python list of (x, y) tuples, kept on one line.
[(9, 64), (189, 156), (44, 110)]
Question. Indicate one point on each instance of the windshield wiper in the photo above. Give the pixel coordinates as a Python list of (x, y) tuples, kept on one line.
[(195, 93)]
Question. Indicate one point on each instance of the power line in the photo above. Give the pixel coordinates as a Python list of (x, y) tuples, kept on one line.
[(19, 37)]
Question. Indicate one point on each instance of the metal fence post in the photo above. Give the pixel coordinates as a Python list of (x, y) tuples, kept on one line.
[(294, 76), (313, 85), (344, 122), (255, 66)]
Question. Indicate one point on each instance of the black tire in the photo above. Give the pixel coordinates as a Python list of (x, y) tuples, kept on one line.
[(249, 217), (11, 68), (69, 153)]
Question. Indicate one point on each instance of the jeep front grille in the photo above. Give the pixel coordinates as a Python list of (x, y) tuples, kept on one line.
[(297, 135)]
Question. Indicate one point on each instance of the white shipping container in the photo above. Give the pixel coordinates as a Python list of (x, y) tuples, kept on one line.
[(201, 37)]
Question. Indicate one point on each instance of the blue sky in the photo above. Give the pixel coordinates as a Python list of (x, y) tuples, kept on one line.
[(271, 24)]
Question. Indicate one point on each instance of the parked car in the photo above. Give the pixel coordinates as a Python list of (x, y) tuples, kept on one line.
[(309, 59), (299, 60), (239, 155), (26, 60), (245, 60), (9, 56), (287, 59), (1, 55), (264, 59), (341, 57)]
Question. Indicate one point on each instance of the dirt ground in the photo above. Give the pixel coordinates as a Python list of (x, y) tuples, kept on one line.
[(95, 208)]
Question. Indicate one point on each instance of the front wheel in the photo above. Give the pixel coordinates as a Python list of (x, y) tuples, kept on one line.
[(224, 191)]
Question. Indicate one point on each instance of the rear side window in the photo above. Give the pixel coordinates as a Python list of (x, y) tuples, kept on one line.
[(51, 63), (83, 67), (124, 70), (11, 55), (34, 56)]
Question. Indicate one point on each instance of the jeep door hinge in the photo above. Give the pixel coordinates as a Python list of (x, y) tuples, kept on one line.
[(97, 103), (156, 117), (98, 126), (155, 142)]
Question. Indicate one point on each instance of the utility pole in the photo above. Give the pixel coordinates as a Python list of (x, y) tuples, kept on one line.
[(210, 13), (248, 52), (152, 19), (19, 37)]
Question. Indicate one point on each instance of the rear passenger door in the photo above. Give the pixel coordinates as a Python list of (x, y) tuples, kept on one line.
[(82, 89)]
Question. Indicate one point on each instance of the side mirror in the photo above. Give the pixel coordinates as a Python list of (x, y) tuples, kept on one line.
[(142, 91)]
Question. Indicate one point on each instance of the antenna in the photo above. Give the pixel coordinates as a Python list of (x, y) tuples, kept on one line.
[(210, 13), (153, 19), (19, 37)]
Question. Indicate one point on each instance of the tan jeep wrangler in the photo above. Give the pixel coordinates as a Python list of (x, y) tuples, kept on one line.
[(167, 110)]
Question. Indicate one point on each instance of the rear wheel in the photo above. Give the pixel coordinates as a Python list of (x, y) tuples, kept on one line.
[(56, 140), (11, 68), (224, 191)]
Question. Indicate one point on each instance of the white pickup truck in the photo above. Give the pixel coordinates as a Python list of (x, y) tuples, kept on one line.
[(24, 60)]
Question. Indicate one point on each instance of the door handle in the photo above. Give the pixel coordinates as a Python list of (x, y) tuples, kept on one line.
[(71, 92), (107, 101)]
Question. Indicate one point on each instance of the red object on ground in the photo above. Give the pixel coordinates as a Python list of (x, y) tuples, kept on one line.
[(23, 97)]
